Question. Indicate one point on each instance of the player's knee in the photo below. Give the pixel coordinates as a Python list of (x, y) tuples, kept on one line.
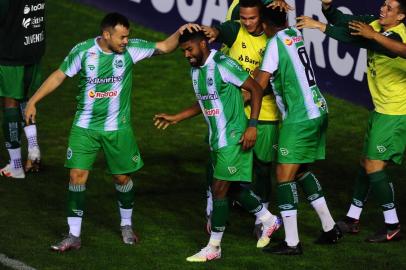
[(372, 166), (219, 189), (78, 177), (121, 179), (10, 103)]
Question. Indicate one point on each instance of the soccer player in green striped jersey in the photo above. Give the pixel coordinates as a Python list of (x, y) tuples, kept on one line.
[(287, 67), (217, 80), (102, 119)]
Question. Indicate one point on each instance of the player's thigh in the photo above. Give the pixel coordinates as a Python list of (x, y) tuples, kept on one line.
[(32, 78), (302, 142), (83, 146), (266, 146), (231, 163), (121, 151), (11, 81), (385, 138)]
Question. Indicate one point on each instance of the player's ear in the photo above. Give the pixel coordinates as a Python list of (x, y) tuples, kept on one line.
[(401, 17), (203, 44)]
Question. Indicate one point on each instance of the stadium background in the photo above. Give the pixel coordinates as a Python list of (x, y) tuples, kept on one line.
[(170, 198)]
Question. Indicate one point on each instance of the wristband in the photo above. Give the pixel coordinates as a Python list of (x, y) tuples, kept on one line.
[(252, 122)]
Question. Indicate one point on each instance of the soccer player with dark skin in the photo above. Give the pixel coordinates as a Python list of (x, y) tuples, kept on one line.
[(217, 80), (103, 119), (244, 38), (385, 139)]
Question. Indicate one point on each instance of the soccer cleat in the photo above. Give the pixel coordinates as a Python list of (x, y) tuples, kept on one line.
[(385, 235), (330, 237), (348, 225), (68, 243), (267, 233), (10, 172), (257, 232), (283, 249), (33, 163), (129, 237), (207, 253)]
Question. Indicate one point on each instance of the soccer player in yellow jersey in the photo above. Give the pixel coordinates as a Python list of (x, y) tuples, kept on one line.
[(385, 140)]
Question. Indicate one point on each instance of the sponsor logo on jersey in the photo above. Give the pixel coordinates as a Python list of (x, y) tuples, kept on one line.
[(112, 79), (37, 7), (208, 96), (297, 39), (118, 63), (108, 94), (288, 41), (212, 112), (26, 22)]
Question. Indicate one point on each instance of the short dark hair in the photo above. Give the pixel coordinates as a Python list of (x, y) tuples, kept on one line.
[(402, 6), (194, 35), (251, 3), (113, 19), (274, 17)]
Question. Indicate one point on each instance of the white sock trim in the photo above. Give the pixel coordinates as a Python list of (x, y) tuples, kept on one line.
[(391, 216), (75, 225), (126, 215), (354, 212)]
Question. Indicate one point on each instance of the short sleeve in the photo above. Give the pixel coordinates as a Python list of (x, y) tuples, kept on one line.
[(270, 61), (231, 71), (140, 49), (71, 65)]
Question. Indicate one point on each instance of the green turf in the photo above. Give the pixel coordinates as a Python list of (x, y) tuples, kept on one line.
[(170, 188)]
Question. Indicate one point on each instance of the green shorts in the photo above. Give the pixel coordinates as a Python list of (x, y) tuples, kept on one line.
[(385, 138), (119, 147), (302, 142), (18, 81), (266, 146), (231, 163)]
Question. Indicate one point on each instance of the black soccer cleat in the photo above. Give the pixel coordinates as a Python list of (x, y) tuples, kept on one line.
[(348, 225), (330, 237), (283, 249), (385, 235)]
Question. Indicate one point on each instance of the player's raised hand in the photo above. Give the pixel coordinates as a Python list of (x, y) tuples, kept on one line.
[(248, 138), (310, 23), (281, 4), (362, 29), (30, 113), (210, 32), (163, 120), (191, 27)]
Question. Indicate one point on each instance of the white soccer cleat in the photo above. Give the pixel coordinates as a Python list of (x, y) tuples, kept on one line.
[(10, 172), (267, 233), (207, 253), (128, 235)]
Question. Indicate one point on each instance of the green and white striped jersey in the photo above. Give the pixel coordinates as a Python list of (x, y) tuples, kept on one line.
[(216, 86), (105, 82), (293, 81)]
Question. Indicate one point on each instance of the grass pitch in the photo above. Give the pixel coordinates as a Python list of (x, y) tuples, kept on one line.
[(170, 188)]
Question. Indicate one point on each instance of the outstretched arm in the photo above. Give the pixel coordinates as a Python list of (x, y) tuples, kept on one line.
[(50, 85), (163, 120), (171, 43), (366, 31)]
